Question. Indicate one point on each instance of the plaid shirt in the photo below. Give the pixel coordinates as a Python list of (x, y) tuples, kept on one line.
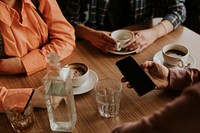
[(140, 10)]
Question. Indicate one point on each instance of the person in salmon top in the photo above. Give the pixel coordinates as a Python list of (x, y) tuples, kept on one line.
[(177, 116), (94, 20), (29, 33)]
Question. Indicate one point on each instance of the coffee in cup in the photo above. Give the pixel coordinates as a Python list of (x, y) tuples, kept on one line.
[(122, 37), (79, 73), (175, 55)]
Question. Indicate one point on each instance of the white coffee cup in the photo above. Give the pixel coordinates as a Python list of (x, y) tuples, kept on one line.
[(79, 73), (122, 37), (175, 55)]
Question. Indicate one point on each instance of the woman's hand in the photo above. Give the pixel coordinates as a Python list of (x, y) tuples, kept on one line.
[(142, 39), (102, 40), (157, 72), (38, 99)]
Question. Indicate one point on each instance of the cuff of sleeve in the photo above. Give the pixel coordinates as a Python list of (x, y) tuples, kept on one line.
[(3, 92), (10, 92), (178, 79), (171, 19), (19, 90), (33, 62)]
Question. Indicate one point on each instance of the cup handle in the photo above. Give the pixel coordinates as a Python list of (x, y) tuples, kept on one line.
[(118, 46), (182, 64)]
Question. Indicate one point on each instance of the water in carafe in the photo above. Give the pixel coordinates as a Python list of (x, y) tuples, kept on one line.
[(59, 96)]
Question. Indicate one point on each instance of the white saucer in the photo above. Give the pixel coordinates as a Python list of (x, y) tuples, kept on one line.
[(122, 52), (87, 85), (159, 59)]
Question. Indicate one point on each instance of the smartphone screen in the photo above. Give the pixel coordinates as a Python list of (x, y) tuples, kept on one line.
[(135, 75)]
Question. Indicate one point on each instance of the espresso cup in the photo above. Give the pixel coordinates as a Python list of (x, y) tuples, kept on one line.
[(175, 55), (122, 37), (79, 73)]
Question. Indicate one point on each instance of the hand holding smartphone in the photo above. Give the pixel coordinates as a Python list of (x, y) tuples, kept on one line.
[(135, 75)]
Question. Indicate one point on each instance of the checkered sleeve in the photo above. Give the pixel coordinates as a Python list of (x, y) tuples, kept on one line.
[(74, 10), (176, 12)]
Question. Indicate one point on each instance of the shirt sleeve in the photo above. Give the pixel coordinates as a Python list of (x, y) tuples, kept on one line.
[(182, 78), (4, 93), (176, 12), (61, 38), (178, 116)]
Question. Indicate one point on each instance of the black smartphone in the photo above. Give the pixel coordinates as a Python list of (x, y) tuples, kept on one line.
[(135, 75)]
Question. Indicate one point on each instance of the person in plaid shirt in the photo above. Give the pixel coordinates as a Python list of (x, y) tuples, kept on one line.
[(93, 20)]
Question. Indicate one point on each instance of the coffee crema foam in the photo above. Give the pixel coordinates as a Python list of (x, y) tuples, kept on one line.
[(77, 72), (175, 53)]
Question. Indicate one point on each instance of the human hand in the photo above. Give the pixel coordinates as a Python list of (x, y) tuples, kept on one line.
[(143, 39), (103, 40), (11, 66), (38, 99), (157, 72)]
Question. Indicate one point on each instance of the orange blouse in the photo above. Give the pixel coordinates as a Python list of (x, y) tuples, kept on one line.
[(35, 37)]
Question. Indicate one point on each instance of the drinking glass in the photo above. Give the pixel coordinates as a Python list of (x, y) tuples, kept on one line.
[(108, 93), (21, 118)]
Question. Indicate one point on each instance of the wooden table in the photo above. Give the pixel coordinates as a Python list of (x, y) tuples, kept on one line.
[(132, 107)]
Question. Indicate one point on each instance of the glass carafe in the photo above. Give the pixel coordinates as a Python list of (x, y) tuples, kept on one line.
[(59, 96)]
